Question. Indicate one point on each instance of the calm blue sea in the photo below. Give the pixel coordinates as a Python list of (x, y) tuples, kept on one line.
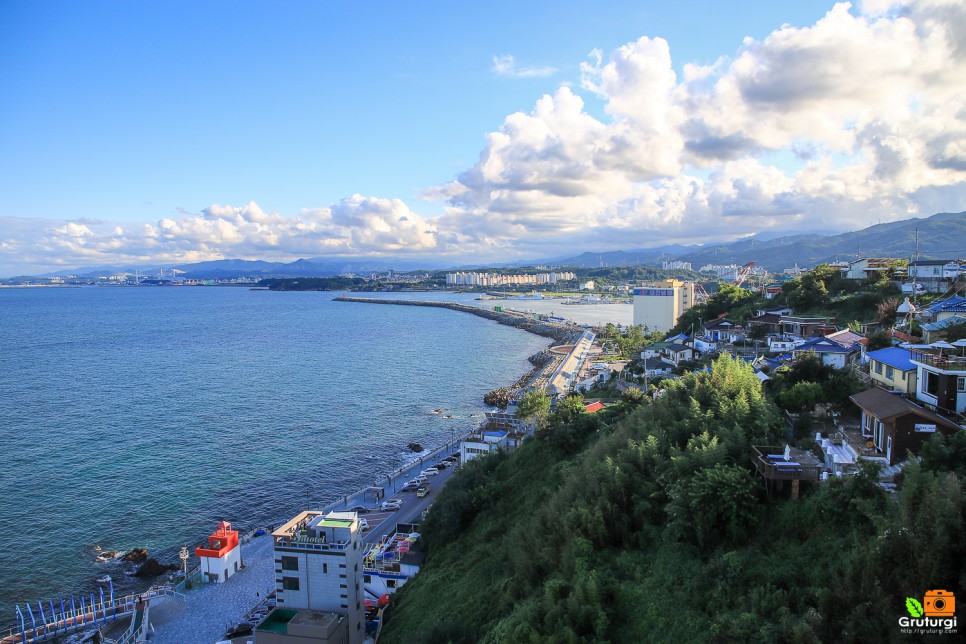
[(141, 416)]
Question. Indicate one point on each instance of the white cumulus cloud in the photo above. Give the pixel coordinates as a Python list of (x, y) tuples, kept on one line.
[(858, 117), (506, 65)]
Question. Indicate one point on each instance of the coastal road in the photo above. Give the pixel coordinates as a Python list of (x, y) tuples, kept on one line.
[(383, 524)]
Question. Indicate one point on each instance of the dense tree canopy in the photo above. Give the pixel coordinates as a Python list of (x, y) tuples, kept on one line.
[(645, 522)]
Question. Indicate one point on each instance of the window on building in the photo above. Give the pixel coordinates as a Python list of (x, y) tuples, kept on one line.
[(367, 579), (290, 563), (290, 583), (325, 569), (890, 373), (390, 583), (961, 385), (930, 383)]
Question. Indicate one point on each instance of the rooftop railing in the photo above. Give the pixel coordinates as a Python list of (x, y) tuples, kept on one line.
[(943, 362)]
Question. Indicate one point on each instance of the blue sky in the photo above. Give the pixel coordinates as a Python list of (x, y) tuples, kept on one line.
[(143, 132)]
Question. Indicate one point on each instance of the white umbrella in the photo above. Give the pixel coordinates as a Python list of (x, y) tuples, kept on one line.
[(788, 453), (961, 343), (941, 344)]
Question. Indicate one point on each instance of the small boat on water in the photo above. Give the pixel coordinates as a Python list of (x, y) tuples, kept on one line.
[(103, 580)]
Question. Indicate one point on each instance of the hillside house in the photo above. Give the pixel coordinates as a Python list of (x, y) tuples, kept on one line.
[(893, 369), (677, 353), (934, 274), (780, 343), (862, 268), (933, 331), (941, 380), (655, 367), (805, 326), (943, 309), (722, 330), (828, 351), (654, 350), (771, 322), (851, 340), (897, 426)]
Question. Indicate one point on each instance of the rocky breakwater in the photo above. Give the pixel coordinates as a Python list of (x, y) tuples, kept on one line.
[(559, 333)]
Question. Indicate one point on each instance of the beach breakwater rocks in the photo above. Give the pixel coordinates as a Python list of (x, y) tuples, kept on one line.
[(558, 332)]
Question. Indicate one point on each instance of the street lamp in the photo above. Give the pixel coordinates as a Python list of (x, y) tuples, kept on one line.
[(183, 555)]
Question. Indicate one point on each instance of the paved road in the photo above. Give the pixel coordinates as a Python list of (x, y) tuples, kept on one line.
[(382, 524)]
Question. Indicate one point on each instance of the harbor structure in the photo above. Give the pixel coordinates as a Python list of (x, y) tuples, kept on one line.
[(318, 563), (222, 558), (658, 306)]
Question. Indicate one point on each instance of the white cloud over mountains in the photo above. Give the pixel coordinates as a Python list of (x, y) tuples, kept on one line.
[(856, 119)]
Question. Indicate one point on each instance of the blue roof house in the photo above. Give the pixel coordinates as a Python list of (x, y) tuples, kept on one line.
[(892, 369), (829, 351)]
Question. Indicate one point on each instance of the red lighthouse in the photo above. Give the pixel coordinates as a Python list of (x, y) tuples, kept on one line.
[(222, 558)]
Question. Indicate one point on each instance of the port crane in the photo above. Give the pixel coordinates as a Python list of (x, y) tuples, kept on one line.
[(743, 274)]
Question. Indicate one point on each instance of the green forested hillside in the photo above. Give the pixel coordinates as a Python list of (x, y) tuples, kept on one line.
[(647, 524)]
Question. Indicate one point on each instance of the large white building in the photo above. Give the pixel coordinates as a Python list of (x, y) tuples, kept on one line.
[(676, 264), (658, 306), (498, 279), (319, 567)]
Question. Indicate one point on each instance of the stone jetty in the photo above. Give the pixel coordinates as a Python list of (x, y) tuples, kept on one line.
[(558, 332)]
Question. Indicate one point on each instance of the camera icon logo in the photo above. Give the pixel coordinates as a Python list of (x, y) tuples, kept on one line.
[(939, 603)]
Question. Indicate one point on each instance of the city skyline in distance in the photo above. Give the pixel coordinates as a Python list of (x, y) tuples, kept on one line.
[(173, 135)]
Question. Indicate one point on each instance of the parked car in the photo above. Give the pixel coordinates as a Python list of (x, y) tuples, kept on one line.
[(361, 509), (410, 487), (442, 465), (240, 630), (429, 472), (363, 524), (391, 505)]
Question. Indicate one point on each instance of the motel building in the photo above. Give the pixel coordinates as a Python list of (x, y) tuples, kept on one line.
[(222, 558)]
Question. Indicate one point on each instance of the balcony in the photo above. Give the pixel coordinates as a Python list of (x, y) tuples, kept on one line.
[(940, 362), (771, 464)]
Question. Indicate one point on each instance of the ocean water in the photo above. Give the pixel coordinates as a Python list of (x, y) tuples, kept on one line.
[(142, 416)]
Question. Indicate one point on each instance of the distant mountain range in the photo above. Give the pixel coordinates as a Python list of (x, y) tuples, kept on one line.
[(942, 236), (231, 268)]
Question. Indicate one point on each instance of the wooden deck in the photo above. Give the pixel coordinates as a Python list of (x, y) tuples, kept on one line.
[(801, 465)]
